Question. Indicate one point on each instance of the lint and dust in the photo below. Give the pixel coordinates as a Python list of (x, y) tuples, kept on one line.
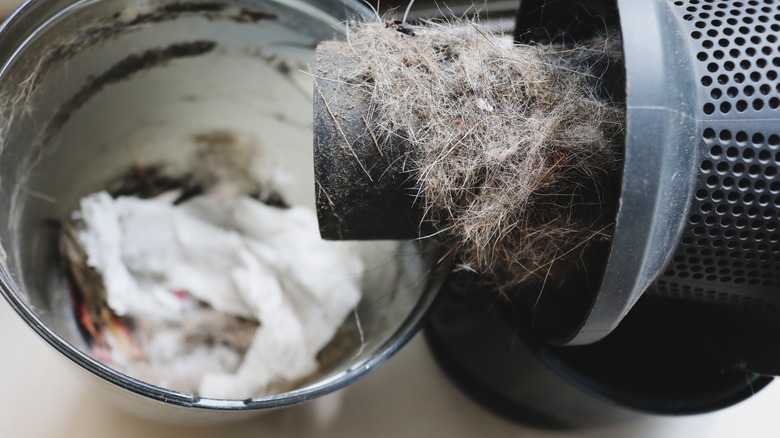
[(512, 150)]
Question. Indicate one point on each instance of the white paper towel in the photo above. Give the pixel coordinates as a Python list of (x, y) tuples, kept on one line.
[(241, 257)]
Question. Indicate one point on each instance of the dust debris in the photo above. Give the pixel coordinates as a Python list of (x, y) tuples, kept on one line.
[(515, 147)]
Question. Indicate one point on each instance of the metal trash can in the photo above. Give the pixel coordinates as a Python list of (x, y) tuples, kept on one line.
[(88, 88)]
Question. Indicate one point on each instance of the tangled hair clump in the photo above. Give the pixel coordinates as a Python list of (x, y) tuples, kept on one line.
[(513, 145)]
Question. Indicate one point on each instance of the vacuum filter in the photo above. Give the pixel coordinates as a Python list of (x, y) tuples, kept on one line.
[(695, 233), (700, 198)]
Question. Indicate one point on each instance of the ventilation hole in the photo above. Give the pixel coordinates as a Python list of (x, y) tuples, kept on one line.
[(716, 152)]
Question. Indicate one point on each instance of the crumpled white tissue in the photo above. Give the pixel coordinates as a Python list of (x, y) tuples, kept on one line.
[(243, 258)]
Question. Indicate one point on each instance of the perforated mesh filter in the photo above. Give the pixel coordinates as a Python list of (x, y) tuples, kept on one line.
[(729, 251)]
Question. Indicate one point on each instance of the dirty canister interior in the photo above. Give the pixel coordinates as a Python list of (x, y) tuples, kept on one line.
[(91, 88)]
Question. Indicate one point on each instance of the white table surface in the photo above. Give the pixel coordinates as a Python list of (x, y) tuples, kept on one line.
[(44, 396)]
